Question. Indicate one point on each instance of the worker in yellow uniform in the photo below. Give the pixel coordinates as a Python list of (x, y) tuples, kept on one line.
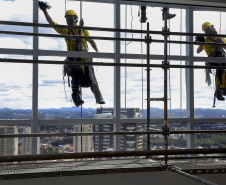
[(82, 76), (214, 51)]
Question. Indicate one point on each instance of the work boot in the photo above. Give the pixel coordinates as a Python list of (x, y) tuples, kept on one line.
[(168, 15), (77, 98), (143, 18), (218, 95), (78, 103), (101, 101)]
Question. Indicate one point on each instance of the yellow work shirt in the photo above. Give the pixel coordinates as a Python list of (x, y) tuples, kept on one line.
[(70, 42), (210, 48)]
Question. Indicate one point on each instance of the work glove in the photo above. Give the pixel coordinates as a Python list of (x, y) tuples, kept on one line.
[(43, 5)]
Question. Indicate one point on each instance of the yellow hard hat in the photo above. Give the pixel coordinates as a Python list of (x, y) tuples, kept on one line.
[(206, 25), (71, 12)]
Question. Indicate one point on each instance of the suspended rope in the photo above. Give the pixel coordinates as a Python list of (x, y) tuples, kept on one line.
[(67, 100), (125, 58), (169, 77), (180, 65), (80, 10), (214, 99), (142, 95), (220, 24), (131, 23)]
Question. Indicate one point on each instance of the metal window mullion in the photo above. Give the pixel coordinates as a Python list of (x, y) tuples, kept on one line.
[(190, 78), (35, 124), (117, 77)]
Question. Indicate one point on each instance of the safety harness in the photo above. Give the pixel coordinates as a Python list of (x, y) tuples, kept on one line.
[(78, 43)]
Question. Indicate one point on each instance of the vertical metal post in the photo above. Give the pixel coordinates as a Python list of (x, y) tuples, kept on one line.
[(35, 127), (165, 62), (117, 77), (148, 86), (190, 78)]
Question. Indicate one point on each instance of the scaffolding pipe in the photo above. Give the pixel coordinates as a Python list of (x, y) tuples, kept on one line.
[(165, 62), (190, 157), (148, 86), (107, 38), (109, 154), (108, 64), (203, 181), (111, 133), (108, 29)]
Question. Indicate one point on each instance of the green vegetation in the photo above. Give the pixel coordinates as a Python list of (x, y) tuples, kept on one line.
[(208, 140)]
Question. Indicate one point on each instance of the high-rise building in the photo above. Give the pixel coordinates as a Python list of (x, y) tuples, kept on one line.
[(82, 143), (128, 142), (8, 146), (26, 142)]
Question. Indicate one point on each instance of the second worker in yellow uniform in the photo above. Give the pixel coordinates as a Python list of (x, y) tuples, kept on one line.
[(214, 51)]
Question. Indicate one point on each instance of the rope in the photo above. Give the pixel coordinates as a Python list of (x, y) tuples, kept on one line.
[(169, 78), (125, 124), (125, 58), (180, 64), (80, 10), (131, 19), (70, 100), (142, 75), (87, 50), (220, 24)]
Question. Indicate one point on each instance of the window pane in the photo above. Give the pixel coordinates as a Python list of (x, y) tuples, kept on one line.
[(22, 14), (16, 86), (55, 93)]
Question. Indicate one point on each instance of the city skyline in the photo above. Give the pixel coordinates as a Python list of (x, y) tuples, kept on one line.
[(17, 92)]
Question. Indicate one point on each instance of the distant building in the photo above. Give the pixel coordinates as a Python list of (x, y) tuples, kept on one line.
[(8, 146), (128, 142), (26, 142), (84, 143)]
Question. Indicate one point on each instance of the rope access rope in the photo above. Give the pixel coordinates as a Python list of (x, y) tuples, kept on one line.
[(131, 23), (180, 64), (142, 74), (125, 58), (169, 77)]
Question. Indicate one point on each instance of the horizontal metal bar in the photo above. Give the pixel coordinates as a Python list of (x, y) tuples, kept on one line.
[(93, 121), (76, 54), (197, 131), (152, 131), (15, 122), (108, 121), (107, 38), (77, 27), (109, 154), (79, 134), (108, 64), (16, 51), (156, 99), (109, 29), (71, 36), (191, 157), (106, 55)]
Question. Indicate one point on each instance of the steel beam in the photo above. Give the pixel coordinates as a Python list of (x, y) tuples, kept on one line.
[(110, 154)]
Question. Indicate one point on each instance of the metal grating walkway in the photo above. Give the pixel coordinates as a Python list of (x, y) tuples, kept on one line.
[(88, 167), (201, 167), (52, 169)]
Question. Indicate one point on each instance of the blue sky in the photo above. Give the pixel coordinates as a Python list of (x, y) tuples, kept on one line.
[(16, 87)]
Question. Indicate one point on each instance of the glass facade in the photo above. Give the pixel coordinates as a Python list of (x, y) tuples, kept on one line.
[(42, 97)]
